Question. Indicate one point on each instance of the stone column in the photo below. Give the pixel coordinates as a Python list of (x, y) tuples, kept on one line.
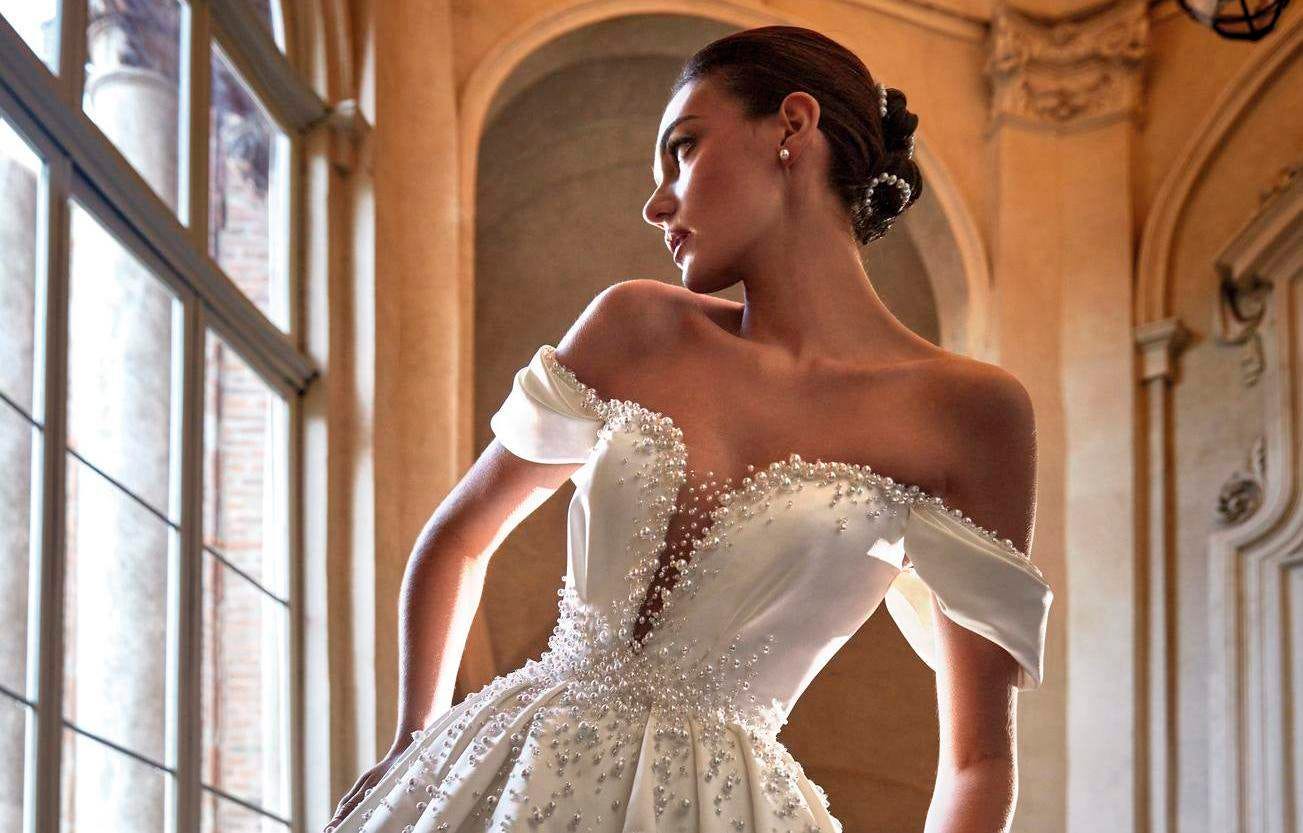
[(1066, 93), (1160, 344), (422, 313)]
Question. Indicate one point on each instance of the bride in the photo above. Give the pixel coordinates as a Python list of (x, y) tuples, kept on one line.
[(751, 481)]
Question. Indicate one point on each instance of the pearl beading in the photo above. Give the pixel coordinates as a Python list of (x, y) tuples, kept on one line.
[(603, 670), (608, 687), (586, 731), (663, 432)]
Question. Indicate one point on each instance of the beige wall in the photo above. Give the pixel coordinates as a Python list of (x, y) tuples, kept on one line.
[(1031, 254), (1217, 414)]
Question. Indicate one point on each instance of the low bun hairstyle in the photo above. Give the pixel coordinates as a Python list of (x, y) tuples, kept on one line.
[(759, 67)]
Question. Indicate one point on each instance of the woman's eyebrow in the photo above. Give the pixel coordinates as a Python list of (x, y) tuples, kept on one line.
[(666, 135)]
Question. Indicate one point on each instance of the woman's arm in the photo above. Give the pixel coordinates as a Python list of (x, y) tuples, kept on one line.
[(442, 585), (979, 798), (991, 476), (444, 577)]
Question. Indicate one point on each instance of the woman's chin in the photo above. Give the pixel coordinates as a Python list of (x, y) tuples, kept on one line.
[(691, 279)]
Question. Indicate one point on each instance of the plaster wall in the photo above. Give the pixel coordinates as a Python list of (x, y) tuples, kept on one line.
[(531, 129), (1218, 414)]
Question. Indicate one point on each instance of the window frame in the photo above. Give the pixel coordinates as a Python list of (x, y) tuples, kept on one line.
[(80, 163)]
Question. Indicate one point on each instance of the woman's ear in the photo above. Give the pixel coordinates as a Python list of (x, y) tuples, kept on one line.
[(800, 119)]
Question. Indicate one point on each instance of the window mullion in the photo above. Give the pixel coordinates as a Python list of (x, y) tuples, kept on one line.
[(197, 92), (297, 626), (51, 399), (189, 573), (73, 17), (149, 219), (84, 170), (253, 51)]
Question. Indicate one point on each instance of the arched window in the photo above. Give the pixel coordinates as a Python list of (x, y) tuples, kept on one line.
[(149, 405)]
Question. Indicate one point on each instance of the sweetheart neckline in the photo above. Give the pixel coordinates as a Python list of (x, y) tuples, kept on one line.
[(913, 493)]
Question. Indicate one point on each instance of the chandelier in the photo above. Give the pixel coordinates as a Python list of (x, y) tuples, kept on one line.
[(1236, 19)]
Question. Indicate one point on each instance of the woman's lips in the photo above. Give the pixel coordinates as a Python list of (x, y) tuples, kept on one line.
[(678, 246)]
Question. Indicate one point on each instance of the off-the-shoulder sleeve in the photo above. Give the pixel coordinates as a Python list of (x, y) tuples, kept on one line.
[(981, 583), (548, 416)]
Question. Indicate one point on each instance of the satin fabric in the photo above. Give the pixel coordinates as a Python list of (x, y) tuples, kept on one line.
[(545, 421), (786, 593)]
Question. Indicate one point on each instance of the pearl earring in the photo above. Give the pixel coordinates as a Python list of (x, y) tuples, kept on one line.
[(784, 154)]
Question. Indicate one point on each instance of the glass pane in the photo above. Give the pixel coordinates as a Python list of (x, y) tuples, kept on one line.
[(132, 87), (121, 322), (106, 790), (248, 188), (120, 568), (221, 815), (18, 439), (245, 689), (37, 22), (16, 720), (245, 446), (20, 182)]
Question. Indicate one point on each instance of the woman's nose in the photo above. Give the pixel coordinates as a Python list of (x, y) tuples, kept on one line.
[(656, 208)]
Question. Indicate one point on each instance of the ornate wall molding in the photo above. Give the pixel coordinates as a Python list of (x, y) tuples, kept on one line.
[(1254, 563), (1067, 72), (1241, 494), (1243, 297), (1240, 95)]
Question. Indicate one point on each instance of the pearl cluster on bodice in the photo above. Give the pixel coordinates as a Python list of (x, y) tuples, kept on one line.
[(591, 703), (578, 716), (660, 432)]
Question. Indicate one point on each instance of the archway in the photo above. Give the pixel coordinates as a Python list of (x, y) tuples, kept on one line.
[(565, 126)]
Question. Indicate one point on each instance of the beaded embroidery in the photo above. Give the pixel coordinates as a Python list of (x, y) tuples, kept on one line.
[(783, 472), (604, 696), (593, 690)]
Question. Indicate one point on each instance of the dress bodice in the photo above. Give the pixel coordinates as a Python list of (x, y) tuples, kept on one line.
[(788, 565), (608, 734)]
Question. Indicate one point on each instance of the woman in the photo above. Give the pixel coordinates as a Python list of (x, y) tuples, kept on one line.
[(713, 569)]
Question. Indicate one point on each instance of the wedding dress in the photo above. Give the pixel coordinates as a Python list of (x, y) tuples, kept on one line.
[(681, 735)]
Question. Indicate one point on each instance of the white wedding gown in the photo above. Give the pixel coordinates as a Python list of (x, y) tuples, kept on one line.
[(681, 736)]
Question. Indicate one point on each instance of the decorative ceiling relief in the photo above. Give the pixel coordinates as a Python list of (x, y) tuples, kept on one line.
[(1067, 72)]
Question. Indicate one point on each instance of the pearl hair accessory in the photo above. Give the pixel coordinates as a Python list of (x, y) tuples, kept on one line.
[(890, 179), (882, 112)]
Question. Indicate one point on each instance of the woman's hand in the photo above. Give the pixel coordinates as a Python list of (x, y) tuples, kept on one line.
[(367, 780)]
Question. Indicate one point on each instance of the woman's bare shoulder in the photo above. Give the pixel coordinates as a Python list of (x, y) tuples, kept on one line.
[(977, 387), (620, 330)]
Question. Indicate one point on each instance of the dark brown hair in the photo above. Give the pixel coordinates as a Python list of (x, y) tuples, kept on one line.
[(759, 67)]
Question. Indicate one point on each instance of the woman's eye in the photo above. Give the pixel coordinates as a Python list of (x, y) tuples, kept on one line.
[(678, 143)]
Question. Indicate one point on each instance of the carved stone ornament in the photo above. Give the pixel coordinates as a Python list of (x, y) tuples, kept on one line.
[(1241, 494), (1243, 293), (1067, 71)]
